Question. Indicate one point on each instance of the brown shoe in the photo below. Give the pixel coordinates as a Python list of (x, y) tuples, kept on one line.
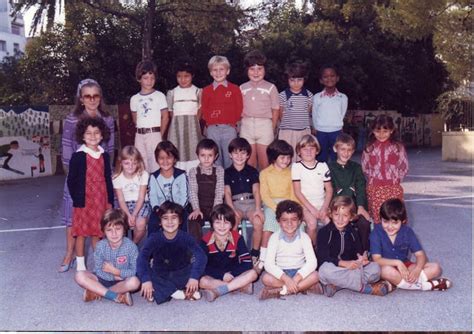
[(124, 298), (248, 289), (379, 288), (317, 289), (210, 294), (90, 296), (440, 284), (268, 293)]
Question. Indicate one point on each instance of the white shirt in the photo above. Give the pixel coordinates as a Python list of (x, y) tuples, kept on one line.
[(295, 254), (184, 101), (148, 108), (312, 180), (131, 187)]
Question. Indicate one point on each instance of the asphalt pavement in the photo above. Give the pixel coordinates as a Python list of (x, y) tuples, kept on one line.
[(35, 297)]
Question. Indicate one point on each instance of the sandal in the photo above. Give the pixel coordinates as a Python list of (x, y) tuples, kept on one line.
[(65, 267), (440, 284), (195, 296)]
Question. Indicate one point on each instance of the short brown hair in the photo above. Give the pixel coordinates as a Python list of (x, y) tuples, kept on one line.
[(114, 217), (168, 147), (342, 202), (145, 67), (254, 57), (222, 211), (393, 209)]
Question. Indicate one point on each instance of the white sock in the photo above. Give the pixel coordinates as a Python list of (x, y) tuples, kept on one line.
[(263, 254), (409, 286), (178, 294), (423, 281), (284, 290), (81, 263)]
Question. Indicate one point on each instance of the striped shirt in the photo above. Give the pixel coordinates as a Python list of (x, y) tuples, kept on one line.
[(296, 109), (123, 258)]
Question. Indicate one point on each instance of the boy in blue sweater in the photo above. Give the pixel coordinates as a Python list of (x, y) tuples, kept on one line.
[(178, 261)]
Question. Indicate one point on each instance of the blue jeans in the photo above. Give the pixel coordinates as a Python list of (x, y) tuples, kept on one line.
[(326, 141), (222, 134)]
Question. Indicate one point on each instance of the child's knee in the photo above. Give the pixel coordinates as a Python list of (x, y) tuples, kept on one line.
[(389, 272), (133, 283), (435, 269), (80, 277)]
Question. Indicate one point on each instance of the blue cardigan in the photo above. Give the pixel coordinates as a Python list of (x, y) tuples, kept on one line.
[(76, 179)]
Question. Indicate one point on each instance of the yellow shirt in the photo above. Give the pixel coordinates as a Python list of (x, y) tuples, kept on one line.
[(276, 184)]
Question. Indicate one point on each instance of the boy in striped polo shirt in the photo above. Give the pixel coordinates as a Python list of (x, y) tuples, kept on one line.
[(295, 106)]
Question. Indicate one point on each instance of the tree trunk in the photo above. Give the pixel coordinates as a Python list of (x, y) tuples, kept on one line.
[(147, 51)]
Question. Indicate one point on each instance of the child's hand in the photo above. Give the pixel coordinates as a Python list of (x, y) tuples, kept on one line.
[(147, 290), (363, 259), (227, 277), (414, 274), (403, 270), (191, 287), (109, 268), (363, 212), (195, 214), (290, 284)]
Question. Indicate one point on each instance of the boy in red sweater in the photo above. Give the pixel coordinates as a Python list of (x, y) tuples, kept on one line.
[(221, 108)]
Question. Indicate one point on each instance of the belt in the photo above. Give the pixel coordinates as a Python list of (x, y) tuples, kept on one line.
[(148, 130), (242, 197)]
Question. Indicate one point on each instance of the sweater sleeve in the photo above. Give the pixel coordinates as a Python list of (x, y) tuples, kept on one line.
[(67, 139), (245, 260), (180, 196), (364, 162), (143, 262), (200, 258), (265, 190), (154, 192), (205, 103), (323, 250), (72, 177), (270, 260), (311, 262), (219, 193), (110, 145), (403, 163), (360, 184)]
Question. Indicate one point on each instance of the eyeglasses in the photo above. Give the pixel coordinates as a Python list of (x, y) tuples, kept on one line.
[(91, 97)]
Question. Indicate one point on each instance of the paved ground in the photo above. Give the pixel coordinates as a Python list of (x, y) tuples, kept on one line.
[(33, 296)]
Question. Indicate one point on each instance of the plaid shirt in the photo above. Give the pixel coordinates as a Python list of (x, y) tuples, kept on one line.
[(386, 163), (194, 186), (123, 258)]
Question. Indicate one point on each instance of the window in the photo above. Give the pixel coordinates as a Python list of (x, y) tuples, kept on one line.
[(16, 47), (16, 29), (3, 46)]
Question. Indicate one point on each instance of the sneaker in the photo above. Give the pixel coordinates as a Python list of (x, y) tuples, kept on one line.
[(440, 284), (210, 294), (196, 296), (89, 296), (124, 298), (317, 289), (390, 286), (268, 293), (379, 288), (330, 290), (248, 289)]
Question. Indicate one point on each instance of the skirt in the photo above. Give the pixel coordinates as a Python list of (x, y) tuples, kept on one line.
[(376, 195), (185, 134)]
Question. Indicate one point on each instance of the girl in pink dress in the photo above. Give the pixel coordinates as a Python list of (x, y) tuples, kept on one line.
[(90, 184)]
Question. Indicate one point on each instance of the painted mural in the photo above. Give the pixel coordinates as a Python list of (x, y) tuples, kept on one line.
[(25, 146)]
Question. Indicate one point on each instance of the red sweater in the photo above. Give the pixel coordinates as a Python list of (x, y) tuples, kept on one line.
[(222, 105)]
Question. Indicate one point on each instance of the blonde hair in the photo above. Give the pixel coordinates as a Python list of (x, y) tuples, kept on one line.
[(218, 60), (129, 152), (342, 202), (308, 140)]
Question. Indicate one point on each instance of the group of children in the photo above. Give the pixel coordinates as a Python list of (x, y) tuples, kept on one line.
[(307, 214)]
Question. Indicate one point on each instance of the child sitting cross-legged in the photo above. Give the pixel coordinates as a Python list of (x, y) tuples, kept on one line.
[(343, 263), (229, 265), (178, 261), (390, 244), (290, 262), (115, 263)]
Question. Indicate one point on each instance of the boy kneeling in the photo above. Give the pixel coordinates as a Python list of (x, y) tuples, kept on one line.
[(229, 265), (290, 262), (115, 263), (344, 264)]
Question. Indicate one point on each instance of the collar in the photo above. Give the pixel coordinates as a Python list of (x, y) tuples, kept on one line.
[(94, 154), (215, 84), (213, 239), (289, 93), (325, 93), (284, 237)]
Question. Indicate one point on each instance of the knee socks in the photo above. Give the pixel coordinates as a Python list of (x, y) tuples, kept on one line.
[(421, 284), (110, 295), (81, 263)]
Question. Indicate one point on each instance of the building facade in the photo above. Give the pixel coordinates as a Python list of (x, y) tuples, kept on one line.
[(12, 31)]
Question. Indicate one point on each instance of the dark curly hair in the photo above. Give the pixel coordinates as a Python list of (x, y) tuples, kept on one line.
[(254, 57), (279, 147), (95, 122), (289, 206), (171, 207)]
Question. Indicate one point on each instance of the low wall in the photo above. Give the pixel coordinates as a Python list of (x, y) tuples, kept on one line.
[(458, 146)]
